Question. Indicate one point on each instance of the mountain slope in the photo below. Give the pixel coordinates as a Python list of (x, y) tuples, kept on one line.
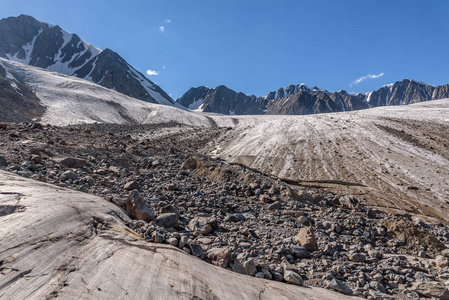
[(29, 93), (301, 99), (17, 102), (26, 40)]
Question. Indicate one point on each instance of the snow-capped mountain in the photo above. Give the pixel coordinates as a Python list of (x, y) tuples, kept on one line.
[(301, 99), (26, 40), (29, 93)]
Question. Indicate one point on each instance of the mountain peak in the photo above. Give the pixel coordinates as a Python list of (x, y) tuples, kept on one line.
[(26, 40)]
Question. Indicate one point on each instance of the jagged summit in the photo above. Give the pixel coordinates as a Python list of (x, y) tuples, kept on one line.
[(301, 99), (26, 40)]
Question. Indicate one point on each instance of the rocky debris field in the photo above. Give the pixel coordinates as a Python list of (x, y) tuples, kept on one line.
[(231, 216)]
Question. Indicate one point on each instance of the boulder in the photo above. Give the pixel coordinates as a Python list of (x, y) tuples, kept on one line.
[(300, 252), (189, 164), (3, 162), (131, 185), (243, 265), (202, 225), (293, 277), (349, 202), (431, 289), (220, 256), (71, 162), (167, 220), (357, 257), (136, 207), (441, 261), (338, 286), (306, 238)]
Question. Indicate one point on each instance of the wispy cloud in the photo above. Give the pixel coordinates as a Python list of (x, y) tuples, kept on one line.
[(152, 72), (162, 28), (168, 21), (366, 77)]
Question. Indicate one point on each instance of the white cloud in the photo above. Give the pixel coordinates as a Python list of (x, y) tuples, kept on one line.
[(168, 21), (152, 72), (366, 77), (162, 28)]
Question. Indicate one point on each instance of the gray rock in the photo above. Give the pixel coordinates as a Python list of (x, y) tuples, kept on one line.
[(431, 289), (167, 220), (293, 277), (201, 225), (441, 261), (69, 175), (243, 265), (183, 241), (357, 257), (445, 253), (71, 162), (306, 238), (300, 252), (349, 202), (220, 256), (131, 185), (29, 165), (338, 286), (158, 236), (189, 164), (195, 249), (173, 241), (136, 207), (3, 162)]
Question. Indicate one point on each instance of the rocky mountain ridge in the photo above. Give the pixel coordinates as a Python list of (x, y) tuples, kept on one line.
[(301, 99), (26, 40)]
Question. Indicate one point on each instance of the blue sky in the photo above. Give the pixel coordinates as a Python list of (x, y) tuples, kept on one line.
[(258, 46)]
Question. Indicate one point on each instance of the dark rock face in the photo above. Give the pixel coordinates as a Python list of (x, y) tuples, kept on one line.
[(404, 92), (194, 97), (17, 102), (26, 40), (302, 100)]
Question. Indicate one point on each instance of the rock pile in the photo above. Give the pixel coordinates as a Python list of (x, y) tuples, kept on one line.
[(233, 217)]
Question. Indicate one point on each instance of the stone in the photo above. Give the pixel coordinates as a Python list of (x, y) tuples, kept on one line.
[(431, 289), (173, 241), (3, 162), (259, 275), (306, 238), (71, 162), (36, 158), (375, 254), (167, 220), (189, 164), (195, 249), (445, 253), (357, 257), (158, 236), (243, 265), (201, 225), (293, 277), (349, 202), (29, 165), (170, 209), (338, 286), (39, 177), (131, 185), (68, 175), (441, 261), (136, 207), (303, 221), (299, 252), (220, 256), (183, 241)]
